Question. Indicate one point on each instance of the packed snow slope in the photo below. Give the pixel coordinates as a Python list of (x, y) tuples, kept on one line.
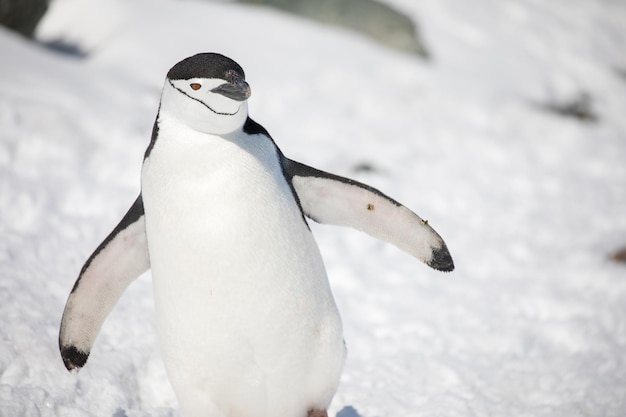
[(480, 141)]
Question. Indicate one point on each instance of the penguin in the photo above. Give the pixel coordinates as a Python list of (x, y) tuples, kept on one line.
[(246, 321)]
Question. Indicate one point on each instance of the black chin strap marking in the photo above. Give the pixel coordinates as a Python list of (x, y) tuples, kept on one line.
[(202, 102)]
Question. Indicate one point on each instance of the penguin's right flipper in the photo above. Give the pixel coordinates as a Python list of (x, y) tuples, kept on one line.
[(119, 259), (331, 199)]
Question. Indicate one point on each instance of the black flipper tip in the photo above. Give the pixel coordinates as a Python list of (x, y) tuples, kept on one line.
[(73, 359), (441, 260)]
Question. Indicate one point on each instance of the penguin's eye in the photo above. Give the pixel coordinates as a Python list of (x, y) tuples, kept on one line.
[(195, 86)]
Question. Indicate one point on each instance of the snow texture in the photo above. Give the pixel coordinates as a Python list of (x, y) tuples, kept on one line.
[(530, 201)]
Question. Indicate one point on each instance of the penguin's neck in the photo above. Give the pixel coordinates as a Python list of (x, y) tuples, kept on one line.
[(189, 165)]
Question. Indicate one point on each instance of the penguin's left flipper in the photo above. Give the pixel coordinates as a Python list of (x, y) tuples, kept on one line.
[(331, 199), (119, 259)]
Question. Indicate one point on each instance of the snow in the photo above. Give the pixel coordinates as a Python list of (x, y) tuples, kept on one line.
[(531, 203)]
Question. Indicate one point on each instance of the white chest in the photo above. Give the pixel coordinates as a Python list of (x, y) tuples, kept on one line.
[(221, 217), (243, 304)]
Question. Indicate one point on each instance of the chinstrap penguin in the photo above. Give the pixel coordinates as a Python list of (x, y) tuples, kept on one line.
[(247, 323)]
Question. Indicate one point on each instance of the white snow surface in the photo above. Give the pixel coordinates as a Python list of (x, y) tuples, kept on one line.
[(531, 323)]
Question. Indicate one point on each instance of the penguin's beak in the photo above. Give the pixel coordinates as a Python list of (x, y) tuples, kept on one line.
[(236, 89)]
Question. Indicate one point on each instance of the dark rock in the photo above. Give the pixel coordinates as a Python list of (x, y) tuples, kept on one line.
[(22, 15), (66, 48), (374, 19), (580, 107), (364, 167), (619, 256)]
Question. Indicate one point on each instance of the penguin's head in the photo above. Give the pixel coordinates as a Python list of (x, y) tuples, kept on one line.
[(208, 92)]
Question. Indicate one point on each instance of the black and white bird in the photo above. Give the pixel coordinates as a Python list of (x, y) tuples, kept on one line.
[(247, 323)]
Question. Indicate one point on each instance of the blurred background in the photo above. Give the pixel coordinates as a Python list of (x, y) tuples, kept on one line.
[(501, 122)]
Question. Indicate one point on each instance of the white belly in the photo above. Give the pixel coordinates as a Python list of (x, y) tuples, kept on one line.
[(247, 323)]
